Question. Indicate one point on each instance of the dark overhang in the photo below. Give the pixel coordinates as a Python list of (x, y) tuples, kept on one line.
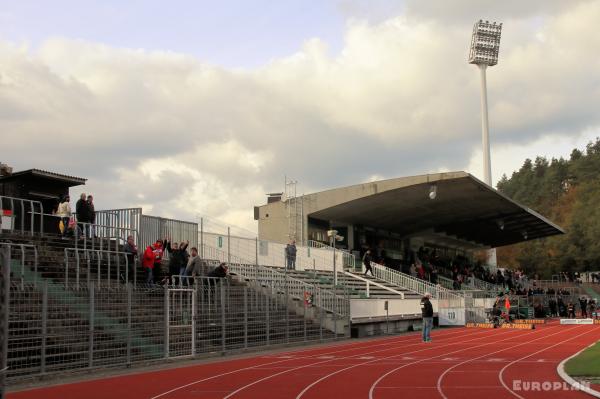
[(464, 208), (38, 173)]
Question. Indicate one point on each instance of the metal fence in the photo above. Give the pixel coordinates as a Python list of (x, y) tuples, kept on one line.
[(55, 328), (21, 215)]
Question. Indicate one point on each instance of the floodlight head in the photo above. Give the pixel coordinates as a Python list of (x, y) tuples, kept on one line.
[(433, 191), (485, 43)]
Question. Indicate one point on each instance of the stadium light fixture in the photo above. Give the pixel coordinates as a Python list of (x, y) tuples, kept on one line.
[(433, 191), (485, 47)]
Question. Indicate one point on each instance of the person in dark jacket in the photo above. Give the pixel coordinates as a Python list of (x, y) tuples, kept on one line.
[(583, 303), (290, 255), (131, 250), (219, 271), (177, 257), (427, 313), (91, 215), (367, 262), (82, 211)]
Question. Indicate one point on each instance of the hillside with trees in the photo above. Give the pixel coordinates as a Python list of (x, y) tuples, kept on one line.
[(566, 191)]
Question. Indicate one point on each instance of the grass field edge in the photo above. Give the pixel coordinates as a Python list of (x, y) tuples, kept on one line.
[(572, 381)]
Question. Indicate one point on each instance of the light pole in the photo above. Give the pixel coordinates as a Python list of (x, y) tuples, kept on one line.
[(485, 46)]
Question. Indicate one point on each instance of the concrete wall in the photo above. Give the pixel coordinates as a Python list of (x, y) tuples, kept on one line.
[(273, 224)]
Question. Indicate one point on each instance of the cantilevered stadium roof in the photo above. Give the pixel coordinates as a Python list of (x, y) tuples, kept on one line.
[(464, 209)]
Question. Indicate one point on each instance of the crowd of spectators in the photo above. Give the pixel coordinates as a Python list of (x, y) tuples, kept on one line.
[(183, 266)]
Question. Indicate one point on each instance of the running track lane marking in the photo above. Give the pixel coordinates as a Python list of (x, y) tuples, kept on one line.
[(572, 381), (357, 346), (441, 377), (372, 361), (325, 361), (374, 385), (501, 374)]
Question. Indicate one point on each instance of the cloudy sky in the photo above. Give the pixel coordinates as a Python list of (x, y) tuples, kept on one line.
[(202, 107)]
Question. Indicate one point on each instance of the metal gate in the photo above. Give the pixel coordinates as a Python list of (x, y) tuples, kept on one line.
[(4, 307), (475, 309), (180, 310)]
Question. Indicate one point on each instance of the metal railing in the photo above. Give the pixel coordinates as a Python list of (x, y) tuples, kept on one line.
[(329, 300), (57, 329), (98, 266), (21, 215), (413, 284), (369, 283), (22, 270)]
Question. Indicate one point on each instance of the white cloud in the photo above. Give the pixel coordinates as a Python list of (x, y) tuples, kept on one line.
[(183, 137)]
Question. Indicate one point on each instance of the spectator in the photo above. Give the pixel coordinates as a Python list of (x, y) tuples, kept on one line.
[(583, 303), (433, 276), (91, 216), (195, 266), (131, 250), (367, 262), (64, 213), (152, 261), (553, 307), (571, 310), (290, 255), (413, 270), (83, 213), (592, 308), (177, 258), (427, 313), (220, 271)]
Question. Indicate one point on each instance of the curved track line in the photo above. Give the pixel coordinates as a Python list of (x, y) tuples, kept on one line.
[(308, 387), (441, 377), (312, 364), (501, 373), (374, 385), (358, 346)]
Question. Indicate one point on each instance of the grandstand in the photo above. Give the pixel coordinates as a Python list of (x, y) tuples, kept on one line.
[(76, 304)]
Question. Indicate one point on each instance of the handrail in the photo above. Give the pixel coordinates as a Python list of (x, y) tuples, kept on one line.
[(22, 202), (375, 283), (22, 247), (99, 255), (329, 300), (413, 284)]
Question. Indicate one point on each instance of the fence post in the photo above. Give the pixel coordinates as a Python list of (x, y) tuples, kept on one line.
[(91, 330), (320, 307), (166, 322), (44, 327), (245, 317), (5, 307), (193, 316), (228, 245), (256, 250), (129, 303), (223, 320), (201, 238), (287, 312), (268, 320)]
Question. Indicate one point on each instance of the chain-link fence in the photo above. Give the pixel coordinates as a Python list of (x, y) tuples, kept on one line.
[(57, 327)]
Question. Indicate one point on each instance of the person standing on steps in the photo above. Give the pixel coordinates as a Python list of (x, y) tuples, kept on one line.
[(64, 213), (91, 216), (367, 262), (290, 255), (82, 209), (427, 313)]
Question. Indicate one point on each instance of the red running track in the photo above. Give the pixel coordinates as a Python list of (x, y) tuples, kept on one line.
[(459, 363)]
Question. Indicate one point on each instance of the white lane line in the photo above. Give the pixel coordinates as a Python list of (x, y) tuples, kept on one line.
[(374, 385), (441, 377), (306, 366), (450, 333), (373, 361), (572, 381), (501, 374)]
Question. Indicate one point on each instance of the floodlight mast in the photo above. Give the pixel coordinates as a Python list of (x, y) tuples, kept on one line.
[(485, 46)]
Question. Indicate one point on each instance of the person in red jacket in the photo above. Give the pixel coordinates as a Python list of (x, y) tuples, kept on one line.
[(152, 258)]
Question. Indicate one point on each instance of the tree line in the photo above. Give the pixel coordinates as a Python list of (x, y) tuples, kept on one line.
[(566, 191)]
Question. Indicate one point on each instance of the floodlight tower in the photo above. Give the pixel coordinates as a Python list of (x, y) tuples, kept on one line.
[(485, 46)]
